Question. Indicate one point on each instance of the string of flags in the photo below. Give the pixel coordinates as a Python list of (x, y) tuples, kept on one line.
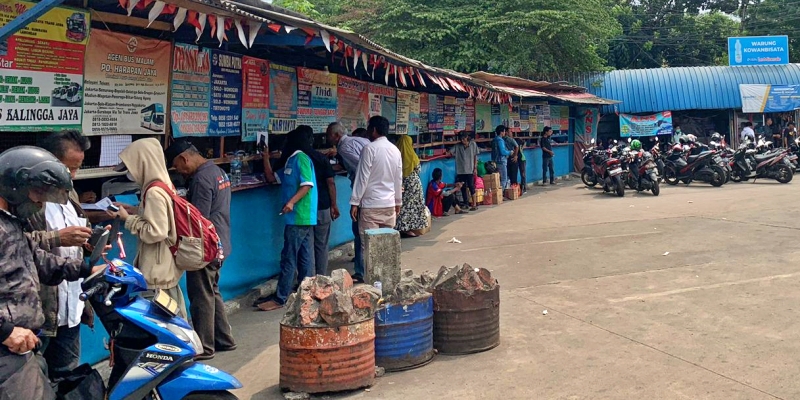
[(351, 58)]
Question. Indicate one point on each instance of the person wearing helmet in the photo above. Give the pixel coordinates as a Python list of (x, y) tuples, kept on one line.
[(29, 177), (633, 168)]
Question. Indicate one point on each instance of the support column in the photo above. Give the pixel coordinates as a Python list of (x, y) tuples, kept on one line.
[(382, 257)]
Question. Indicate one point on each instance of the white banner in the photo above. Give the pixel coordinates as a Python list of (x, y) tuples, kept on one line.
[(754, 97)]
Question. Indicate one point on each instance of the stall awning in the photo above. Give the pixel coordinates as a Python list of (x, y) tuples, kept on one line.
[(528, 89)]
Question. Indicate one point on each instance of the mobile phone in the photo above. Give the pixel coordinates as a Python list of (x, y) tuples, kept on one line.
[(112, 208)]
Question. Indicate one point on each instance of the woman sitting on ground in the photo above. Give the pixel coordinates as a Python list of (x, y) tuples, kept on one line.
[(439, 198)]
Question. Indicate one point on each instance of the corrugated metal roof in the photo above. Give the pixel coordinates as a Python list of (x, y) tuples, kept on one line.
[(685, 88)]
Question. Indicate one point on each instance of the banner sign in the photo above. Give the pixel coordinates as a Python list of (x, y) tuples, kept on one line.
[(424, 109), (524, 118), (408, 112), (483, 117), (470, 125), (353, 99), (514, 124), (645, 125), (255, 98), (449, 126), (435, 113), (316, 98), (383, 102), (282, 98), (585, 130), (461, 114), (758, 50), (226, 94), (497, 117), (191, 91), (41, 69), (125, 84), (769, 98)]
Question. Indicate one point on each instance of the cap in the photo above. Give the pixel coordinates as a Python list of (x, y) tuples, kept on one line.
[(175, 149)]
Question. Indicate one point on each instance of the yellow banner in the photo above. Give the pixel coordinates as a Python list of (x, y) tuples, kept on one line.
[(59, 24)]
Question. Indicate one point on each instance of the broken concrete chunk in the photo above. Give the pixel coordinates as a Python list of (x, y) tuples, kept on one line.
[(336, 309), (406, 273), (426, 279), (464, 278), (342, 279), (322, 287), (292, 312)]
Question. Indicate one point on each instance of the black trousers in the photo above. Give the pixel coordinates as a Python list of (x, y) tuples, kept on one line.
[(547, 164), (208, 309), (468, 189), (513, 171), (523, 181), (448, 202)]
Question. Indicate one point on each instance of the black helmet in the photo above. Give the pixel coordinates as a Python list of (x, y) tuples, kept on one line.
[(716, 137), (27, 169)]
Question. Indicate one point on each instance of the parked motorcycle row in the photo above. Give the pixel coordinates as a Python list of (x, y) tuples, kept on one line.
[(628, 164)]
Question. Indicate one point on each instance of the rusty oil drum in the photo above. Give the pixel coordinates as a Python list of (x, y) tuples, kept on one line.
[(464, 323), (325, 359), (404, 335)]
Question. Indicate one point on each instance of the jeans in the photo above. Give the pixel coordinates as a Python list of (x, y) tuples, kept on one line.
[(547, 163), (208, 310), (513, 172), (502, 167), (297, 258), (322, 232), (358, 265), (62, 352), (523, 182), (22, 378)]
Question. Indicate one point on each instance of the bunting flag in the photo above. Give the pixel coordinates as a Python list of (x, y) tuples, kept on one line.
[(326, 39), (410, 72), (240, 33), (402, 77), (221, 31), (386, 76), (180, 16), (253, 28), (131, 4), (212, 23), (364, 60), (421, 79), (356, 56), (155, 12), (288, 28), (274, 27)]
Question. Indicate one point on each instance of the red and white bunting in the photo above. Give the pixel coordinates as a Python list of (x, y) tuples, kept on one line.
[(288, 28), (388, 69), (131, 5), (253, 29), (155, 11), (240, 33), (180, 16), (201, 19), (364, 61), (326, 39)]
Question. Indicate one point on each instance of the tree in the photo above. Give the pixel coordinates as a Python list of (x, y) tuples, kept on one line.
[(776, 17)]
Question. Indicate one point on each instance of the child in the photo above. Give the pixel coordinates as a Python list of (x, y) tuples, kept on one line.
[(439, 199)]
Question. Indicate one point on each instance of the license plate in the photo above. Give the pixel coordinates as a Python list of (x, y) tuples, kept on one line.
[(615, 171)]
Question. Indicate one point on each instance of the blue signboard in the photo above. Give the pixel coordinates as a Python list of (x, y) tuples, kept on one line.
[(758, 50), (645, 125), (226, 94)]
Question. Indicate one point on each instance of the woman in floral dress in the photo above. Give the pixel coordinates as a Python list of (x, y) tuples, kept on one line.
[(412, 214)]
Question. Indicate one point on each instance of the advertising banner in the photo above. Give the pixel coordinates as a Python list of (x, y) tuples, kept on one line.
[(383, 102), (191, 90), (424, 108), (769, 98), (226, 94), (585, 130), (461, 114), (645, 125), (555, 118), (758, 50), (497, 117), (449, 127), (435, 113), (524, 118), (483, 117), (408, 110), (282, 98), (514, 119), (255, 98), (353, 103), (125, 84), (470, 126), (316, 98), (41, 69)]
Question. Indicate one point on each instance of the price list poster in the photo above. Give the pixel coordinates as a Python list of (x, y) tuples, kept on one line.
[(282, 98), (255, 98), (383, 102), (191, 91), (41, 69), (353, 103), (226, 94), (126, 80), (316, 98)]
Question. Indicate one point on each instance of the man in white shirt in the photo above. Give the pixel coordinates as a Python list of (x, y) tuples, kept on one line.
[(748, 133), (62, 229), (377, 189)]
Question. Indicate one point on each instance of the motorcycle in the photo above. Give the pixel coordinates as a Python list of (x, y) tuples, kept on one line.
[(152, 350), (646, 168), (600, 166), (725, 155), (704, 166)]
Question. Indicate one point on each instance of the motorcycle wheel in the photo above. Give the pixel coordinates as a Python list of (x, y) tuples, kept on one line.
[(620, 186), (211, 396), (719, 176), (686, 181), (736, 176), (587, 180), (656, 189), (785, 174), (670, 175)]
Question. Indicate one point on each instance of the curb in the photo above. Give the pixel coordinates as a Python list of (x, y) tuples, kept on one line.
[(269, 287)]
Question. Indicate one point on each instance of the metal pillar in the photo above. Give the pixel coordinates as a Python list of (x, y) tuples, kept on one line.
[(27, 17)]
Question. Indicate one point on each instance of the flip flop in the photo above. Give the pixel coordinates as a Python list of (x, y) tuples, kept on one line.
[(270, 306)]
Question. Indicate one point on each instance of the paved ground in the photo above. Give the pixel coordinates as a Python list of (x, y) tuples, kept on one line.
[(716, 318)]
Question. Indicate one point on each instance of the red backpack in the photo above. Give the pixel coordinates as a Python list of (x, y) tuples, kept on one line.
[(198, 243)]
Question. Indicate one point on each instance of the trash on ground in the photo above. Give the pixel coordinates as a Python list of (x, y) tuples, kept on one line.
[(544, 312), (665, 254), (453, 240)]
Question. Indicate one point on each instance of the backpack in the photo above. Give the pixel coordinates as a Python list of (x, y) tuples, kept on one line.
[(198, 243)]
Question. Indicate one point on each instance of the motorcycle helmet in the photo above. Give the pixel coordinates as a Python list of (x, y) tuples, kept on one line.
[(691, 138), (636, 145), (716, 137), (683, 139), (26, 171)]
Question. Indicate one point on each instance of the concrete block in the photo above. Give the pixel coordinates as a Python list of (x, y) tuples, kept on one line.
[(382, 257)]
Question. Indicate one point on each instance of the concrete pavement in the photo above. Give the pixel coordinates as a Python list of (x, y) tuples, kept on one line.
[(716, 318)]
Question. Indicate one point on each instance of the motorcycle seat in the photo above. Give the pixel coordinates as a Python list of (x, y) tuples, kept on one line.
[(764, 157)]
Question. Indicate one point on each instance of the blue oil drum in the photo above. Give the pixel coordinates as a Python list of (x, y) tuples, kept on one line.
[(404, 335)]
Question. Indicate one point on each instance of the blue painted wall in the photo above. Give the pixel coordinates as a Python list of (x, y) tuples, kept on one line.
[(258, 234)]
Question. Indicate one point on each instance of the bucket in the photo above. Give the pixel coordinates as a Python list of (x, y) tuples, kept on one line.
[(325, 359), (404, 335), (464, 323)]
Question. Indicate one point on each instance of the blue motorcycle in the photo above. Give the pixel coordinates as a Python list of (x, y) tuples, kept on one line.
[(152, 350)]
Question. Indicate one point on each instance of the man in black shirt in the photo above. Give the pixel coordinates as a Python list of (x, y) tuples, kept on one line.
[(210, 192), (547, 156), (772, 132), (789, 135)]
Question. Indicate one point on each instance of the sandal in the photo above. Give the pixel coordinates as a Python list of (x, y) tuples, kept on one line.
[(474, 209), (447, 214)]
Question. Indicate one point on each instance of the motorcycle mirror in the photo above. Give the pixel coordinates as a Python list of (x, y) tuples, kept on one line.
[(629, 140), (656, 138), (592, 140), (99, 242)]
